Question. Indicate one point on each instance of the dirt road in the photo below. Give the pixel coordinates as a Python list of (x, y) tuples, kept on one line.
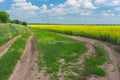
[(4, 48), (26, 66), (112, 66)]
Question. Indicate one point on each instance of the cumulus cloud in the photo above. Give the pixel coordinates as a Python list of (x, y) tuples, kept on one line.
[(88, 4), (108, 2), (1, 0), (69, 6), (107, 13), (23, 5), (80, 3), (44, 7), (72, 3), (22, 9), (73, 6)]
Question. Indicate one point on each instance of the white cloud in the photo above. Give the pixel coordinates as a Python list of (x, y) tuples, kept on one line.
[(22, 9), (72, 3), (1, 0), (51, 5), (108, 14), (73, 6), (108, 2), (43, 10), (100, 1), (88, 4), (115, 2), (80, 3), (23, 5), (44, 7), (117, 9), (20, 1), (86, 13)]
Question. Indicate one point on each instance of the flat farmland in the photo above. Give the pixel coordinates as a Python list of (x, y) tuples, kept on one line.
[(60, 52)]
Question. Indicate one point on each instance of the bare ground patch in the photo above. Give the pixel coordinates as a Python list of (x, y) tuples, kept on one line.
[(4, 48)]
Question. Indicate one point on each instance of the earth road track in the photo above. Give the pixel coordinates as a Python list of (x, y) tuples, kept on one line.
[(4, 48), (25, 69), (112, 65)]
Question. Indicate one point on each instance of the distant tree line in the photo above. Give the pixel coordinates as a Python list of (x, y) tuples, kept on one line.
[(5, 18)]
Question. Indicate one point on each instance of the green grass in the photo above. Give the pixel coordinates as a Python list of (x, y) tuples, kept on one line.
[(9, 60), (92, 63), (102, 32), (71, 77), (53, 47), (54, 77), (8, 31)]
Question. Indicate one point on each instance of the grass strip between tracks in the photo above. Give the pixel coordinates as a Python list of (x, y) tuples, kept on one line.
[(93, 62), (54, 47), (9, 60)]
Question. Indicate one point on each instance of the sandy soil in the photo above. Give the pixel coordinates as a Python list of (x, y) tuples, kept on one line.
[(112, 65), (4, 48)]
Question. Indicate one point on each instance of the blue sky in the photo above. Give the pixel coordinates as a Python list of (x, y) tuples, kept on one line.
[(64, 11)]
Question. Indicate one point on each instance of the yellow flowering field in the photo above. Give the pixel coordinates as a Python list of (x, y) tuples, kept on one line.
[(106, 33)]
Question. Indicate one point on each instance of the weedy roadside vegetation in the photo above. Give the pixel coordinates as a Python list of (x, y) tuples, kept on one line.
[(8, 31)]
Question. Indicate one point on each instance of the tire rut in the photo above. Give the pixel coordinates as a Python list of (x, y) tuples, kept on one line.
[(25, 69), (113, 62), (90, 47), (4, 48)]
